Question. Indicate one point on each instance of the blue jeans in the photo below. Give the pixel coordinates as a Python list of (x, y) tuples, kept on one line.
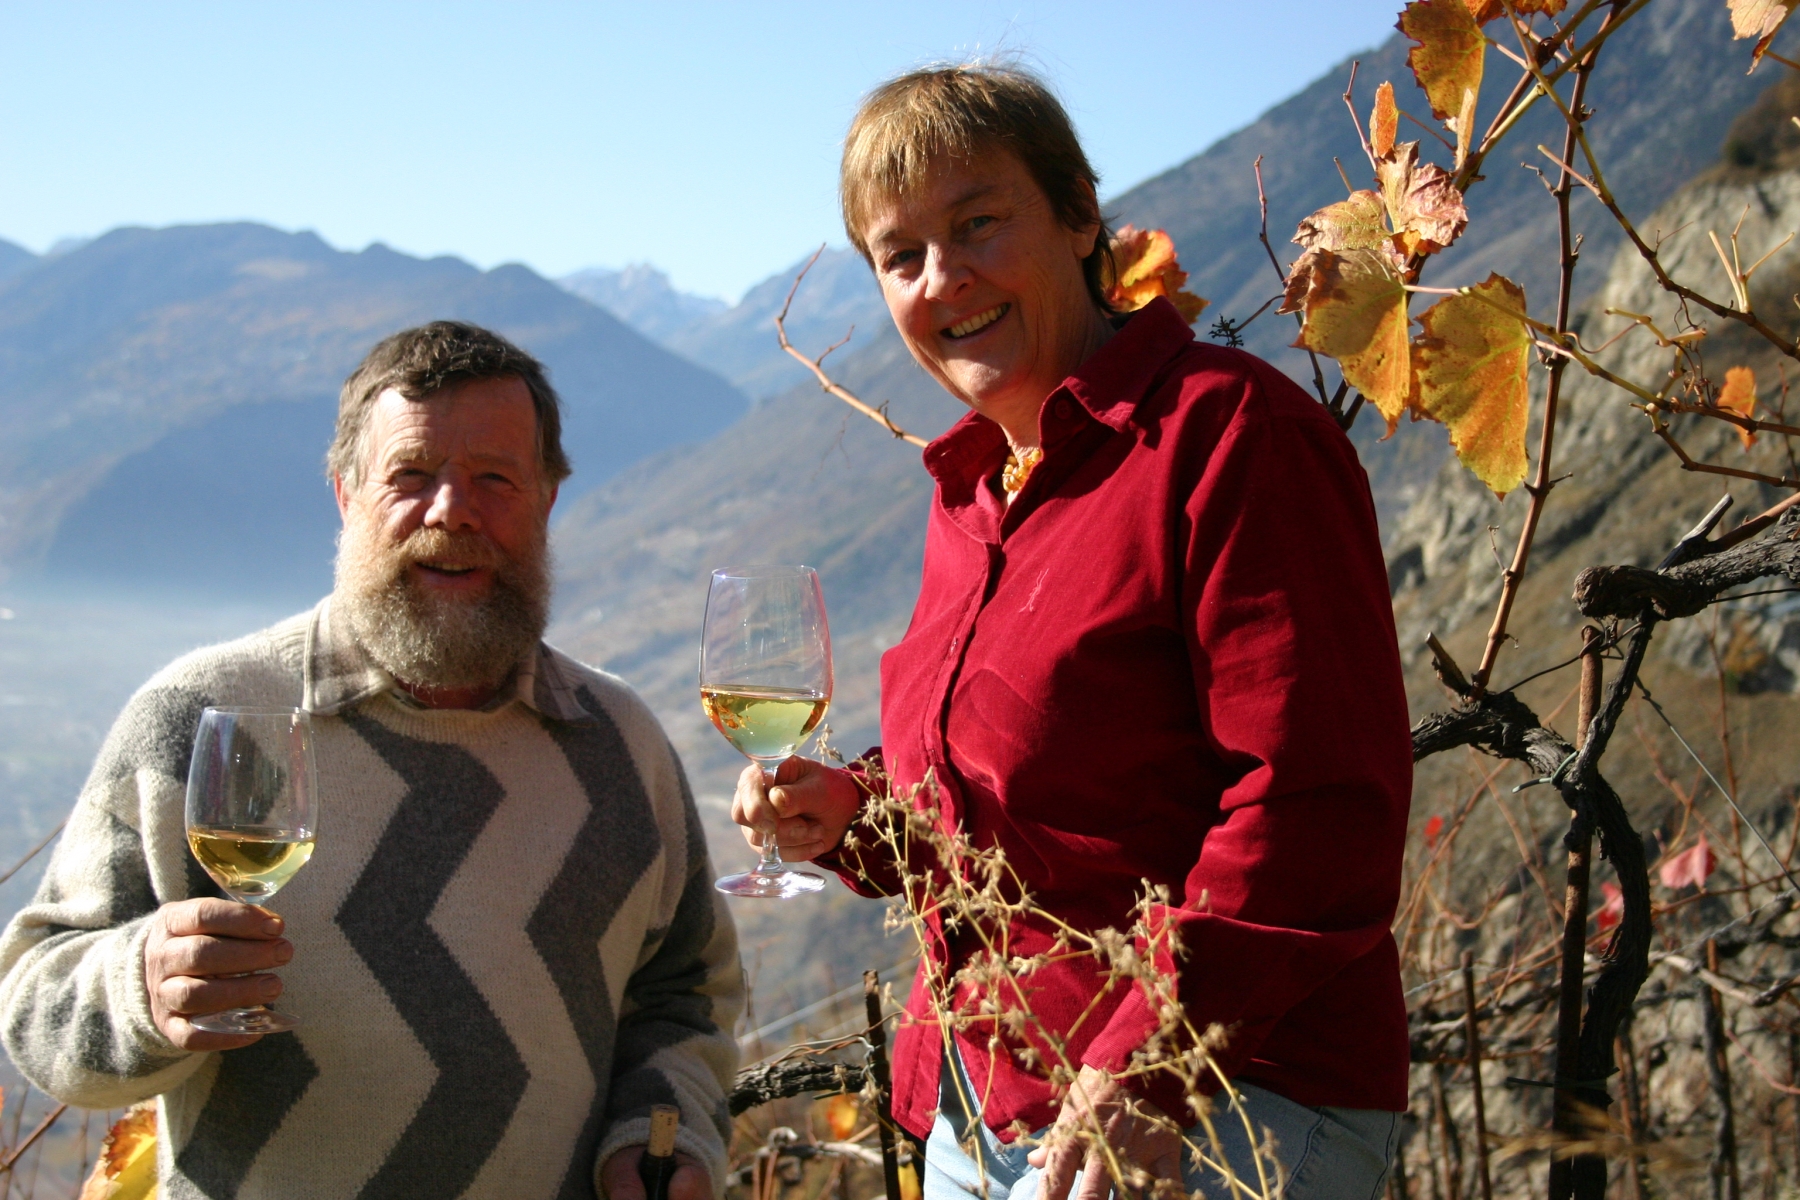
[(1324, 1153)]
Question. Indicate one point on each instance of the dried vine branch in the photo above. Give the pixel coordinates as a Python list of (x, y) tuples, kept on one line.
[(1687, 588), (817, 365), (786, 1077)]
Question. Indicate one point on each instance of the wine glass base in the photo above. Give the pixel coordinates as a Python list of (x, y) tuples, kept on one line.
[(245, 1020), (770, 885)]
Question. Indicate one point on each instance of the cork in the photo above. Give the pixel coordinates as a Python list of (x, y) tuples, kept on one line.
[(665, 1119)]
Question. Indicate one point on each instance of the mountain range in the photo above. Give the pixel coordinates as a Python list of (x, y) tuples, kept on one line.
[(168, 395)]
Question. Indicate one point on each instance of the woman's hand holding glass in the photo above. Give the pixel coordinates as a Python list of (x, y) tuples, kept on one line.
[(807, 808)]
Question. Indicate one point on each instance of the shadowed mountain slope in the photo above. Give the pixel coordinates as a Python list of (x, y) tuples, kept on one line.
[(14, 259), (839, 294), (169, 395)]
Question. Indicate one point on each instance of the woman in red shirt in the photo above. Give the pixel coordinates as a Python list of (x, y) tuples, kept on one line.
[(1152, 642)]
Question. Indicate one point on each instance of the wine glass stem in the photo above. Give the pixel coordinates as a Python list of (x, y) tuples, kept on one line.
[(769, 862)]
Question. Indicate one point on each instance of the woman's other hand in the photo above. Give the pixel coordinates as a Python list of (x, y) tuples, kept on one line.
[(808, 809), (1138, 1141)]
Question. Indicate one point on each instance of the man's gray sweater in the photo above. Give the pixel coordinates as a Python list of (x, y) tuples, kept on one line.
[(506, 946)]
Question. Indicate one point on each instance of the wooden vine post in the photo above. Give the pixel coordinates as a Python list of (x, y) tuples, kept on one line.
[(1570, 1088), (1472, 1026), (884, 1093), (1722, 1170)]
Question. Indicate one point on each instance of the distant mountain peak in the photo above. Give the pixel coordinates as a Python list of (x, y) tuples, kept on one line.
[(643, 297)]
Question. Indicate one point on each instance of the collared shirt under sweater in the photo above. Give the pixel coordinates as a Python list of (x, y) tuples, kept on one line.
[(1171, 659), (506, 945)]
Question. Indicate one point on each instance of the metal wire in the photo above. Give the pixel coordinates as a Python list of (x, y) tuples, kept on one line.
[(1729, 799)]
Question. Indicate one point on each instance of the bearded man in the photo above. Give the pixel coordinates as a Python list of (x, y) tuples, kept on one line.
[(506, 947)]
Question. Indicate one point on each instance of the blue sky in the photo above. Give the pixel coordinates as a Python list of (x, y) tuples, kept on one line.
[(700, 137)]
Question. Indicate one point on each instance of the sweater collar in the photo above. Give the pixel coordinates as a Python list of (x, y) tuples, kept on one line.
[(1108, 386), (338, 675)]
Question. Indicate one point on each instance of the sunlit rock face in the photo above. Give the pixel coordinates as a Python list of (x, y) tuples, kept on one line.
[(1626, 498)]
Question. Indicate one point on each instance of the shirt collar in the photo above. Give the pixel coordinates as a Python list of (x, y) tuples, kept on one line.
[(1109, 386), (338, 674)]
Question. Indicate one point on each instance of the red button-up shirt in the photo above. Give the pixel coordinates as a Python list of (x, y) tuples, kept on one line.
[(1173, 659)]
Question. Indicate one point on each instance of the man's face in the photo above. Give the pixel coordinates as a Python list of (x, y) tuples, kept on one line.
[(442, 564)]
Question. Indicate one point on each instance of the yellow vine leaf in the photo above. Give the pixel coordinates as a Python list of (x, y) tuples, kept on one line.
[(1739, 396), (1422, 202), (1144, 266), (1355, 309), (1384, 121), (126, 1168), (1760, 19), (1449, 56), (1486, 10), (1472, 359), (1353, 224)]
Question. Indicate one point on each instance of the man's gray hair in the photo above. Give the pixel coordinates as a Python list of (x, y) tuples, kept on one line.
[(418, 362)]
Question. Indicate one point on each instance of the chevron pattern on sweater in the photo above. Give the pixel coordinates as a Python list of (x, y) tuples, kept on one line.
[(450, 797)]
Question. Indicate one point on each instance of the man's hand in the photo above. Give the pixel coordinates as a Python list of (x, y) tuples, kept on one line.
[(808, 809), (192, 944), (619, 1175), (1137, 1142)]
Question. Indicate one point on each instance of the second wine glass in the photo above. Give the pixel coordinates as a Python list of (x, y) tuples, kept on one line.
[(765, 681)]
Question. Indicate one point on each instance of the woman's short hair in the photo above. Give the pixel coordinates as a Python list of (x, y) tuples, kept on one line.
[(960, 112)]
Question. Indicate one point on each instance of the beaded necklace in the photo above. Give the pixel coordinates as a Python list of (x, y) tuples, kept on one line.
[(1019, 466)]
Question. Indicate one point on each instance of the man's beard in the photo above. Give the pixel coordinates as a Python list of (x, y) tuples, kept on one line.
[(436, 641)]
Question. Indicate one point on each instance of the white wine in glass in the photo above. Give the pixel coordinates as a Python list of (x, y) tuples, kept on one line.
[(765, 683), (251, 819)]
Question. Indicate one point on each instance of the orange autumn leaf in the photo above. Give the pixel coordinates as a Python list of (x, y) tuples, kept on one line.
[(1739, 396), (1486, 10), (842, 1113), (1472, 359), (1353, 224), (1145, 267), (1355, 310), (1384, 121), (1760, 19), (1423, 205), (1448, 59), (126, 1168)]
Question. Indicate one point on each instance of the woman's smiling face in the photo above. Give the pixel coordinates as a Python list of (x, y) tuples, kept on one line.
[(984, 282)]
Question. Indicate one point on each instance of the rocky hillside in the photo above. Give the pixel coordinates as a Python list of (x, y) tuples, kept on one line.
[(1728, 679)]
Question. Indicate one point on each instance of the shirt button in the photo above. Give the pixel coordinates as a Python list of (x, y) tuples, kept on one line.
[(1064, 409)]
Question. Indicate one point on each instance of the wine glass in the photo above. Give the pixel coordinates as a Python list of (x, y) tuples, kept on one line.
[(765, 681), (251, 819)]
